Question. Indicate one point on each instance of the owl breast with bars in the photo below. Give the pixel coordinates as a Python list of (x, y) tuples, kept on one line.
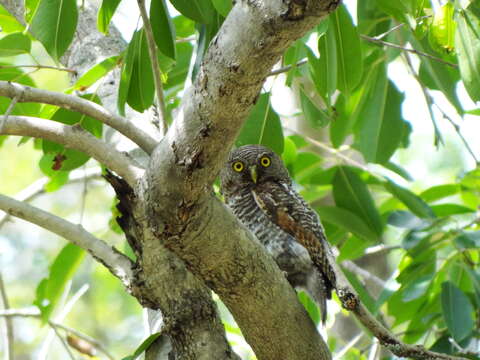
[(258, 189)]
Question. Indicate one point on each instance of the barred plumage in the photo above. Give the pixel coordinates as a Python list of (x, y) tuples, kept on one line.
[(258, 189)]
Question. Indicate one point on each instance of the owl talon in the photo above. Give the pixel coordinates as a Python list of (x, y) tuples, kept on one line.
[(348, 299)]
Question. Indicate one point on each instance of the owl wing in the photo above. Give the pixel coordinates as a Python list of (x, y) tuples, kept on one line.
[(287, 209)]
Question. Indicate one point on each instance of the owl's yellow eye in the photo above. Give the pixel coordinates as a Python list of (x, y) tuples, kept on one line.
[(238, 166), (265, 161)]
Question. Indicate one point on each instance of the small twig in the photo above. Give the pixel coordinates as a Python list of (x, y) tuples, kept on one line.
[(37, 188), (287, 68), (378, 249), (187, 39), (9, 335), (33, 312), (332, 151), (456, 127), (38, 67), (351, 344), (157, 78), (64, 343), (428, 99), (367, 275), (413, 51), (8, 112), (396, 27)]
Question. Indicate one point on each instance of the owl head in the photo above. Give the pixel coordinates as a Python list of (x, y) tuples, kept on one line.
[(249, 166)]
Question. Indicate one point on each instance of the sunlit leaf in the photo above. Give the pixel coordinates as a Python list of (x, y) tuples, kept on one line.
[(467, 44), (262, 126), (352, 194), (54, 24), (163, 28), (442, 29), (97, 72), (412, 201), (202, 11), (61, 271), (349, 53), (143, 346), (310, 306), (8, 23), (105, 14), (457, 311), (14, 44)]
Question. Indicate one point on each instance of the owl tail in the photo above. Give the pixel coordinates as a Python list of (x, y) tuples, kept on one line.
[(317, 289)]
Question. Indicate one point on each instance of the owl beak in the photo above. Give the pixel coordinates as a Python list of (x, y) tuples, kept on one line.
[(253, 173)]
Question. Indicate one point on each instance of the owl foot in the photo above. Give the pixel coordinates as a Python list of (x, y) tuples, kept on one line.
[(349, 300)]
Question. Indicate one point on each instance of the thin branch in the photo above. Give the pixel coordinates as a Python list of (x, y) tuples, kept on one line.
[(456, 127), (428, 99), (385, 337), (38, 67), (157, 78), (413, 51), (396, 27), (378, 249), (9, 335), (64, 343), (332, 151), (37, 188), (8, 112), (28, 94), (118, 264), (351, 344), (33, 312), (367, 275), (75, 137), (287, 68)]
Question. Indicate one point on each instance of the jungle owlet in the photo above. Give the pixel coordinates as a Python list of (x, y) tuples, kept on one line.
[(258, 189)]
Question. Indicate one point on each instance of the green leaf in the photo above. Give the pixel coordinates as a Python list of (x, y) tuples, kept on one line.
[(184, 26), (411, 201), (105, 14), (163, 28), (54, 24), (223, 7), (310, 306), (352, 248), (468, 240), (406, 220), (14, 44), (96, 72), (68, 159), (18, 76), (467, 44), (201, 11), (440, 192), (351, 193), (397, 169), (314, 115), (9, 23), (262, 126), (62, 269), (349, 52), (347, 220), (290, 153), (136, 83), (457, 311), (442, 29), (437, 76), (324, 69), (450, 209), (143, 346), (359, 287)]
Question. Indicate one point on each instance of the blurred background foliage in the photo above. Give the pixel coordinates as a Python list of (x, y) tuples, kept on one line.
[(373, 112)]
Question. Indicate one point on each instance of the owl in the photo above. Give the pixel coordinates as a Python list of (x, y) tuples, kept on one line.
[(258, 189)]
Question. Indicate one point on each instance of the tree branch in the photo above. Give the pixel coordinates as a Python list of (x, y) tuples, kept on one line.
[(413, 51), (118, 264), (9, 335), (83, 106), (385, 337), (35, 313), (187, 160), (38, 187), (75, 137), (157, 79)]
